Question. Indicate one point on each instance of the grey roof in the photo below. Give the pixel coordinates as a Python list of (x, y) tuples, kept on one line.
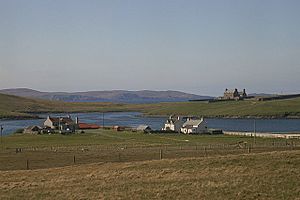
[(193, 122), (143, 127), (33, 127)]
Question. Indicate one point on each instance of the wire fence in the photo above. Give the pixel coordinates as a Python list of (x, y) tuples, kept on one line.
[(59, 156)]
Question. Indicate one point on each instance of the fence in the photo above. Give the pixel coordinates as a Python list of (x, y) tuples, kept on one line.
[(48, 157)]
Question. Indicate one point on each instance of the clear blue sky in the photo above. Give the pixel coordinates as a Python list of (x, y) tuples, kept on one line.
[(196, 46)]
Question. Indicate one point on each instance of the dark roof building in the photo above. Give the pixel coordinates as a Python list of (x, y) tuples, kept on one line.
[(234, 94)]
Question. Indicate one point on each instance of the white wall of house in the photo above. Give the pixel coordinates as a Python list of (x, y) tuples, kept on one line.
[(175, 126), (187, 125), (200, 127), (49, 123)]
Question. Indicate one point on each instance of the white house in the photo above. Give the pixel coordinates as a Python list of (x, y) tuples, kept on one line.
[(174, 123), (194, 126), (63, 124)]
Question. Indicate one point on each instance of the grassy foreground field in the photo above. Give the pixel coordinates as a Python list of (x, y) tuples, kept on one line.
[(256, 176), (47, 151), (19, 107), (126, 165)]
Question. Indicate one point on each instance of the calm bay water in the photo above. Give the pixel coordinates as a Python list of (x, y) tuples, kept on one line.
[(134, 119)]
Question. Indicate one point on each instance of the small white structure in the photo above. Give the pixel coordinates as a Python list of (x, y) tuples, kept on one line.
[(144, 128), (174, 123), (194, 126)]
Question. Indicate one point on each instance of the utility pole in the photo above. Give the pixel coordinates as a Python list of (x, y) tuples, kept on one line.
[(102, 120), (59, 129), (1, 129), (254, 131)]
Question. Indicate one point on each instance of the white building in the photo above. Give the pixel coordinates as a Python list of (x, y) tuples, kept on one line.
[(144, 128), (194, 126), (63, 124), (174, 123)]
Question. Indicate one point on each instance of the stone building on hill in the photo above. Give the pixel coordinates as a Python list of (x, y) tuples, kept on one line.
[(234, 94)]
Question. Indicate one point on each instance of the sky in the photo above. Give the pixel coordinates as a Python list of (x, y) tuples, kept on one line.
[(195, 46)]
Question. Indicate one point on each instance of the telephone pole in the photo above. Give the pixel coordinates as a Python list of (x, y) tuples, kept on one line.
[(102, 120), (254, 131), (1, 129)]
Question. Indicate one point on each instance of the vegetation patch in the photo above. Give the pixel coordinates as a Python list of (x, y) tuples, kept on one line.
[(19, 107)]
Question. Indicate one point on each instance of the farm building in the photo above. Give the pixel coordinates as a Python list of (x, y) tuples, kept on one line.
[(174, 123), (63, 124), (122, 128), (144, 128), (33, 130), (234, 94), (194, 126), (87, 126)]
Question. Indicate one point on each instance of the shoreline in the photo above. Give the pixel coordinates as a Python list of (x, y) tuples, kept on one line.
[(36, 116), (285, 135), (233, 117)]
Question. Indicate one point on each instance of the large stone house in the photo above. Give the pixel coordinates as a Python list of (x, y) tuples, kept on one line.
[(194, 126), (174, 123), (63, 124), (186, 125), (234, 94)]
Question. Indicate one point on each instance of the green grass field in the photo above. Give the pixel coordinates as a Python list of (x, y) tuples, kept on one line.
[(103, 164), (113, 138), (271, 176), (44, 151), (18, 107)]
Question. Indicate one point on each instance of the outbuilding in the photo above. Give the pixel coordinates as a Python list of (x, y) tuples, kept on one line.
[(144, 128)]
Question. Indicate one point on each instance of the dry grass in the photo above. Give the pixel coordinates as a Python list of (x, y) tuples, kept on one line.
[(19, 107), (47, 151), (255, 176)]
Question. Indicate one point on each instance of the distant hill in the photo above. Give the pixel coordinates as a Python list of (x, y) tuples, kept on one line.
[(15, 107), (115, 96), (262, 95)]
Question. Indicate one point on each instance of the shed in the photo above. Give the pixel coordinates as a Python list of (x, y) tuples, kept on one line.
[(32, 129), (144, 128)]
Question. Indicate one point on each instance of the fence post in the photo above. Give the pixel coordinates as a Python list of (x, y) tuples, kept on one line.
[(27, 164), (249, 149), (160, 154), (205, 153), (74, 159)]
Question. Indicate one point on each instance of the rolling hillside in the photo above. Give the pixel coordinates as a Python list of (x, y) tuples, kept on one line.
[(116, 96), (20, 107)]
